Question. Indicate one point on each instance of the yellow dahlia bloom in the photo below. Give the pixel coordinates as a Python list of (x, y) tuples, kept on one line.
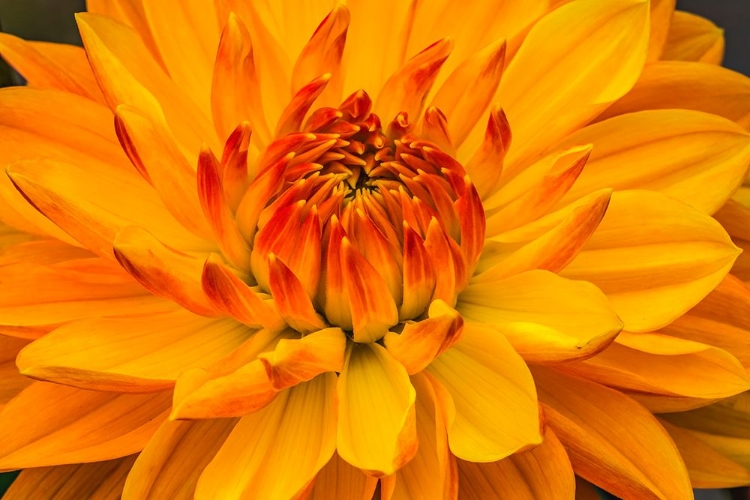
[(422, 250)]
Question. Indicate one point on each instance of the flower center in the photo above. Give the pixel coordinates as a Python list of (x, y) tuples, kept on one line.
[(363, 227)]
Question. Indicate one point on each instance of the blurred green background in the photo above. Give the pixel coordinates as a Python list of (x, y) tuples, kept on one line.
[(52, 20)]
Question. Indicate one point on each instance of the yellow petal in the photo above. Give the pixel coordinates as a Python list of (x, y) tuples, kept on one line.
[(173, 459), (377, 421), (654, 258), (688, 85), (602, 43), (11, 382), (630, 457), (141, 354), (542, 472), (735, 217), (662, 17), (658, 364), (697, 158), (707, 467), (431, 474), (51, 66), (694, 38), (128, 74), (276, 452), (100, 481), (49, 424), (545, 317), (340, 481), (488, 395), (163, 270)]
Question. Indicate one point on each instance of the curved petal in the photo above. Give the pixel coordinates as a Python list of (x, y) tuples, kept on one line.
[(173, 459), (735, 217), (693, 38), (377, 420), (545, 317), (662, 17), (631, 458), (488, 396), (100, 480), (49, 424), (11, 382), (542, 472), (276, 452), (697, 158), (654, 258), (140, 354), (340, 481)]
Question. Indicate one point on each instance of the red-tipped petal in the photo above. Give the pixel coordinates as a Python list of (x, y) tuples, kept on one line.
[(292, 301)]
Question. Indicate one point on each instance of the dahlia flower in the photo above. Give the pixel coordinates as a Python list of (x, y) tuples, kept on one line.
[(420, 250)]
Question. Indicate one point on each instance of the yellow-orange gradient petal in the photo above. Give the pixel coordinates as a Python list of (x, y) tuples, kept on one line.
[(542, 472), (377, 420), (11, 382), (654, 258), (545, 317), (630, 457), (693, 38), (63, 425), (276, 452), (99, 481), (172, 461), (488, 395), (338, 480)]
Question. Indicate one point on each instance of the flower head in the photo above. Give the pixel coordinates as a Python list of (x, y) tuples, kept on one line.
[(430, 249)]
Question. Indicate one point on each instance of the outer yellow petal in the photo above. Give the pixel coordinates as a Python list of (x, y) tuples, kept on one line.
[(693, 38), (707, 467), (49, 424), (340, 481), (654, 258), (688, 85), (97, 481), (697, 158), (662, 365), (542, 472), (140, 354), (735, 217), (545, 317), (51, 66), (661, 20), (173, 459), (631, 457), (11, 382), (602, 43), (275, 453), (488, 395), (377, 420)]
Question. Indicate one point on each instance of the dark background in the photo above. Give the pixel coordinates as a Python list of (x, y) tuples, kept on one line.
[(52, 20)]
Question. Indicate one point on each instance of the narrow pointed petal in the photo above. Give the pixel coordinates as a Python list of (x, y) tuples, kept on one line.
[(164, 271), (100, 480), (419, 343), (697, 158), (296, 434), (545, 317), (235, 92), (377, 420), (233, 297), (340, 481), (542, 472), (54, 66), (656, 364), (644, 258), (431, 474), (471, 220), (435, 129), (603, 44), (152, 149), (294, 114), (217, 211), (128, 74), (419, 276), (707, 467), (406, 89), (447, 261), (293, 304), (235, 169), (486, 165), (64, 425), (467, 93), (173, 459), (694, 38), (488, 396), (631, 458), (688, 85), (260, 191), (140, 354), (322, 54)]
